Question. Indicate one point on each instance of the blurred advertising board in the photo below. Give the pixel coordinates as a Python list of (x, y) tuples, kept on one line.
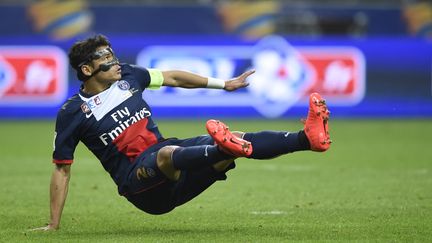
[(284, 75), (32, 76), (379, 77)]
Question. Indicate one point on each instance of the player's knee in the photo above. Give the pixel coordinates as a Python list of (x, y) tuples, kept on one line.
[(164, 156), (164, 163), (222, 165)]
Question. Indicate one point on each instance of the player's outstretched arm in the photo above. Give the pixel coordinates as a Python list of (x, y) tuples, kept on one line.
[(58, 192), (184, 79)]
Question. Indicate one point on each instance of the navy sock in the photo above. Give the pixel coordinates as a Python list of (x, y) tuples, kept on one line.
[(197, 157), (270, 144)]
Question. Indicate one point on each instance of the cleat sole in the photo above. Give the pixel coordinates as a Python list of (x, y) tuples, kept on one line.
[(316, 125), (228, 142)]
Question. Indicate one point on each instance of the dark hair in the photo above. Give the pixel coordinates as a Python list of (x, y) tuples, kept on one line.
[(82, 50)]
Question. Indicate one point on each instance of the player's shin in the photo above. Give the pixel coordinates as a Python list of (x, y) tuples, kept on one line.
[(197, 157), (270, 144)]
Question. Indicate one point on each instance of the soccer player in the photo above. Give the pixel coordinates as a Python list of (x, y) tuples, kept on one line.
[(154, 173)]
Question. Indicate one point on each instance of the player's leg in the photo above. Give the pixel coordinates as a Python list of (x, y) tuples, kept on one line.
[(191, 154), (194, 182), (172, 159), (165, 165), (148, 188), (156, 187), (222, 165), (202, 173), (269, 144)]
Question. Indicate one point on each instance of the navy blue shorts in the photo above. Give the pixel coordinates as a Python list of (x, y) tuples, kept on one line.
[(149, 189)]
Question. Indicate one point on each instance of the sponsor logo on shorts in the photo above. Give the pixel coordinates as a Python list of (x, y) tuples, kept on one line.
[(145, 173)]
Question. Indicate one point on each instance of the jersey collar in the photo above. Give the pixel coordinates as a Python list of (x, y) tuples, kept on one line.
[(86, 95)]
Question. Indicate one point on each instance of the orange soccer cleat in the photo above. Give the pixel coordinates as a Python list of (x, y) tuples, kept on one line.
[(316, 125), (226, 141)]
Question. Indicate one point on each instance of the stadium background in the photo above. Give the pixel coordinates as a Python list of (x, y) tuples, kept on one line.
[(392, 41), (373, 185)]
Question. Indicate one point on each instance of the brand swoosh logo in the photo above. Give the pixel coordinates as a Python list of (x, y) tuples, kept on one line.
[(88, 115), (205, 151)]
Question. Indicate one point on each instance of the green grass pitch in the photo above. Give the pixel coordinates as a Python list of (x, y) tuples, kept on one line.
[(374, 184)]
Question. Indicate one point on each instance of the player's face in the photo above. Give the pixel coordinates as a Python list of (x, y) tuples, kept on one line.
[(107, 58)]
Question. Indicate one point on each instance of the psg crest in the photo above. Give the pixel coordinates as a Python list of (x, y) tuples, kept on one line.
[(123, 85)]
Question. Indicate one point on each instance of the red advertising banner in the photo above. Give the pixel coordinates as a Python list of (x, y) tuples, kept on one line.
[(339, 73), (32, 76)]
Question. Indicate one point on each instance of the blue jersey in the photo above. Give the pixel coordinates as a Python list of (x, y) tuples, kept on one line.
[(116, 124)]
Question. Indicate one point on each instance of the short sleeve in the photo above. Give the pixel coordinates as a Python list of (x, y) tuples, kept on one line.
[(65, 139)]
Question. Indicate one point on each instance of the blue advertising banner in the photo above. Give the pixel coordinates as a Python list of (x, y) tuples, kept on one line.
[(358, 77)]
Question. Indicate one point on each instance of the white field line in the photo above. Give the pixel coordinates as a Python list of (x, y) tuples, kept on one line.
[(274, 212)]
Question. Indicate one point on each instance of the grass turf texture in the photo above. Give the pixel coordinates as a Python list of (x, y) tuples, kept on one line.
[(375, 184)]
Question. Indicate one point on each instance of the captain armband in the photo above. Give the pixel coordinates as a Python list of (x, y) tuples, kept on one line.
[(156, 78), (214, 83)]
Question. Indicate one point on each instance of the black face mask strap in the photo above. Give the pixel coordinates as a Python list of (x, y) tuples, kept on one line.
[(105, 66)]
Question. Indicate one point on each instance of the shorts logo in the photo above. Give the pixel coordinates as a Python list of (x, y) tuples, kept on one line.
[(151, 172), (145, 173), (123, 85)]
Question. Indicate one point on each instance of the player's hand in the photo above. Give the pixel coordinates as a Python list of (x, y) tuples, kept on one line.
[(49, 227), (238, 82)]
